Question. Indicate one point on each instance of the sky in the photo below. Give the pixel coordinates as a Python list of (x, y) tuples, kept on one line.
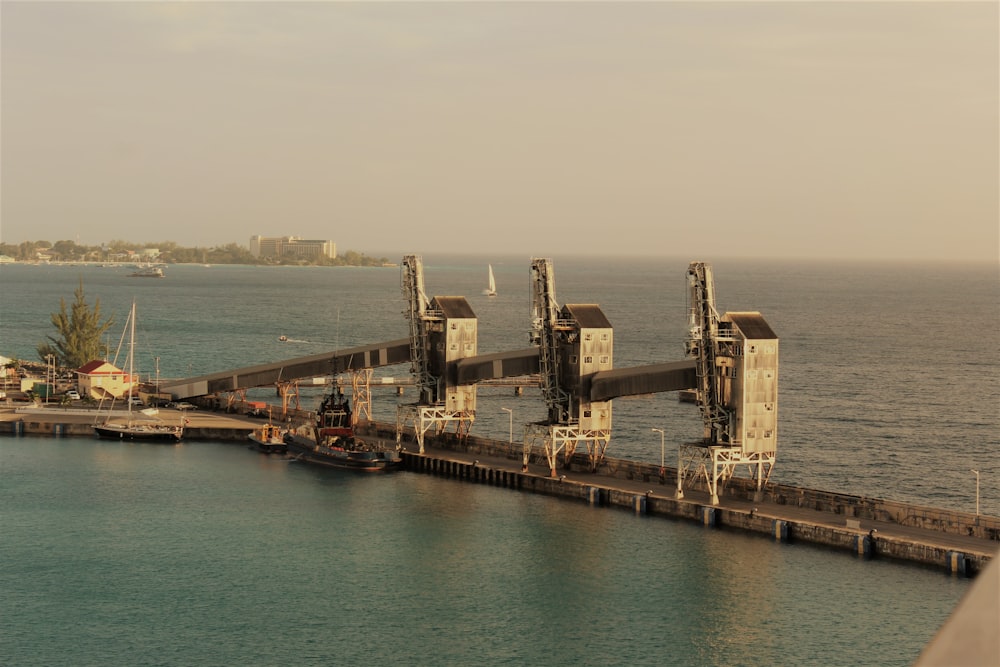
[(697, 129)]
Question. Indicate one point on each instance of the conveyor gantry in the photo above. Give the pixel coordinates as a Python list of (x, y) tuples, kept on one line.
[(732, 363)]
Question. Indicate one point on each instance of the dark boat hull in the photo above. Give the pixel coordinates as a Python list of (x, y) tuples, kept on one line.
[(145, 435), (361, 460)]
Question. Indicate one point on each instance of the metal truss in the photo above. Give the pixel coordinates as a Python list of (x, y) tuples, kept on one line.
[(565, 438), (289, 392), (717, 465), (421, 319), (232, 397), (703, 340), (361, 390), (546, 332), (424, 417)]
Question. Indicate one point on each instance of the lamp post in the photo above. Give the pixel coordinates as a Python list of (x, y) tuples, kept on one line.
[(50, 375), (976, 473), (660, 431), (510, 426)]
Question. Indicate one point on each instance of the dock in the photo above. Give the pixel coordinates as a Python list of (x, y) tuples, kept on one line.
[(956, 542), (58, 421)]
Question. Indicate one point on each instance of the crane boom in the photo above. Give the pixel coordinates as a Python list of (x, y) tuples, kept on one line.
[(412, 269), (544, 334), (702, 344)]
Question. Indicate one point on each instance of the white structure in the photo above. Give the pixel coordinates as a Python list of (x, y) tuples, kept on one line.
[(291, 246), (737, 369), (574, 342), (443, 331)]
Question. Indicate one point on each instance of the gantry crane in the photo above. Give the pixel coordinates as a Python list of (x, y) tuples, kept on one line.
[(736, 364), (442, 331), (574, 342)]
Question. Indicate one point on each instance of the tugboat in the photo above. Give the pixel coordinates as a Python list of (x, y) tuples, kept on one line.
[(330, 442)]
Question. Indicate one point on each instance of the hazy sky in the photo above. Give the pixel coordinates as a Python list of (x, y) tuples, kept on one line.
[(696, 129)]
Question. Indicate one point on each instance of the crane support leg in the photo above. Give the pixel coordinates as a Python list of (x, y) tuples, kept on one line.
[(424, 418)]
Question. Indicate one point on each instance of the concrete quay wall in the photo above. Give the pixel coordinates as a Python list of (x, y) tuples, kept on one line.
[(845, 505), (842, 514), (69, 424), (640, 488), (851, 539)]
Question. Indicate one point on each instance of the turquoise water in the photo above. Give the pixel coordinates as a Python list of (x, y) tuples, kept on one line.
[(211, 554)]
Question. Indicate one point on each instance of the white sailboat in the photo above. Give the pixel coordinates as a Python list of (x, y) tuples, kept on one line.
[(491, 290), (134, 429)]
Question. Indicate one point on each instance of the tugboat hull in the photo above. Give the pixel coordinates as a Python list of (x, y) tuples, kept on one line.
[(352, 456)]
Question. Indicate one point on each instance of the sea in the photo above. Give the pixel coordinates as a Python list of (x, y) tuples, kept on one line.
[(208, 553)]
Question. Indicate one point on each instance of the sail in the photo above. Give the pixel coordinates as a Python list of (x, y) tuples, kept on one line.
[(491, 290)]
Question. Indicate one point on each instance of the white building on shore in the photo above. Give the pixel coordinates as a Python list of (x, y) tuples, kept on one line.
[(291, 246)]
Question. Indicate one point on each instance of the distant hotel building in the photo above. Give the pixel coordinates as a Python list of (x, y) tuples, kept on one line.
[(285, 246)]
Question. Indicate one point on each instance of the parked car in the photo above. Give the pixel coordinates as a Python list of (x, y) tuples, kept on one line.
[(135, 400), (73, 395), (181, 405)]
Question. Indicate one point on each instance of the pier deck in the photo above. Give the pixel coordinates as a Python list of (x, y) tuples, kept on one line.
[(59, 421)]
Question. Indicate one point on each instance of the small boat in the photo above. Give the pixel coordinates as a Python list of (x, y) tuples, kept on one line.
[(147, 272), (491, 289), (331, 442), (269, 438), (131, 427)]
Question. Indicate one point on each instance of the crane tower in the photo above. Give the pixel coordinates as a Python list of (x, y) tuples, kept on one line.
[(442, 331), (736, 363), (574, 342)]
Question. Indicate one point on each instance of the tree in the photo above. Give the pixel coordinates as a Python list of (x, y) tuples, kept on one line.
[(66, 250), (80, 333)]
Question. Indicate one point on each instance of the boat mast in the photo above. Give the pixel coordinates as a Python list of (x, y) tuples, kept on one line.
[(131, 360)]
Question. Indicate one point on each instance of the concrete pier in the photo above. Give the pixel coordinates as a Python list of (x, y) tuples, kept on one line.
[(57, 421), (956, 542)]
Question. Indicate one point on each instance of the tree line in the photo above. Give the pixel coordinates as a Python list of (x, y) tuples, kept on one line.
[(171, 253)]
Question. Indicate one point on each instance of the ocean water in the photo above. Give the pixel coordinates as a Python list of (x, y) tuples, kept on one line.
[(211, 554)]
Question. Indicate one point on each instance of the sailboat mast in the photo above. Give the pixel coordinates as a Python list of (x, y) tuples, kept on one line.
[(131, 358)]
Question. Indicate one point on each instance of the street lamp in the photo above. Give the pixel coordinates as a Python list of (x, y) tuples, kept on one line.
[(660, 431), (510, 427), (50, 375), (976, 473)]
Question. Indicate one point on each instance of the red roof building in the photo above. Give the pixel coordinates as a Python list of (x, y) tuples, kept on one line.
[(100, 379)]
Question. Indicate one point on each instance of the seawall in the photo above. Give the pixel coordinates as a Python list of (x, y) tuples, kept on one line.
[(58, 422), (957, 542)]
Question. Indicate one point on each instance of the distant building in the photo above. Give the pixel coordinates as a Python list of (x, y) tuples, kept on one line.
[(291, 246)]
